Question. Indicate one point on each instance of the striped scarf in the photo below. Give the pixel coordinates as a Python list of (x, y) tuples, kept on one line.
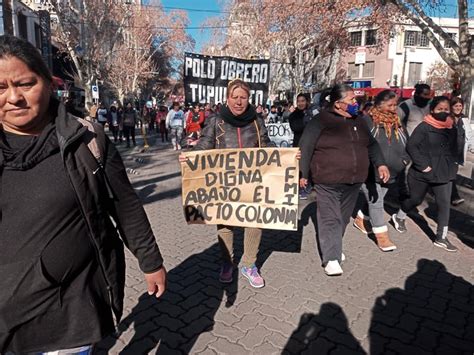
[(388, 120)]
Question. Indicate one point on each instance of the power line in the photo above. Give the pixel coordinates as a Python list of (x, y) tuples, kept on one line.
[(195, 10)]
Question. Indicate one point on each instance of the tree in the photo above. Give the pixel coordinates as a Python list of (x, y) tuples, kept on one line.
[(87, 31), (302, 38), (152, 41), (439, 77), (460, 56), (119, 42)]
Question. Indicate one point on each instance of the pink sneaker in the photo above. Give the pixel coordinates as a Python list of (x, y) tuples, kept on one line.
[(226, 273), (251, 273)]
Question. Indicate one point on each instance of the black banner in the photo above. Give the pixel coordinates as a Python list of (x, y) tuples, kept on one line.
[(206, 78)]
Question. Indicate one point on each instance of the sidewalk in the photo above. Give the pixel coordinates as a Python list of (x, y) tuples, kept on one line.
[(416, 300)]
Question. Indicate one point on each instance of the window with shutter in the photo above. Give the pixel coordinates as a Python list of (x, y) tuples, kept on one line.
[(414, 73), (371, 38), (410, 38), (424, 41), (356, 39), (369, 69), (353, 71)]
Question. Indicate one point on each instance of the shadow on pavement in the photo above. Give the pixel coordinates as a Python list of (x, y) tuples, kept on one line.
[(309, 215), (459, 223), (138, 183), (160, 196), (193, 297), (183, 313), (322, 333), (434, 314)]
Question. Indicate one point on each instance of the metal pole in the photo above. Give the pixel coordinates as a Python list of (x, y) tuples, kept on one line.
[(402, 79), (471, 105)]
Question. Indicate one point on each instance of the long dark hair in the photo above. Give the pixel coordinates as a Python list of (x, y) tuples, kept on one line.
[(14, 47), (305, 97)]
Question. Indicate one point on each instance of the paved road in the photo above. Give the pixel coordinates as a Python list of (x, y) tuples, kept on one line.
[(416, 300)]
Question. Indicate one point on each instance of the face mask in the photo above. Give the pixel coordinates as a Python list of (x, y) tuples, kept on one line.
[(421, 101), (440, 116), (353, 109)]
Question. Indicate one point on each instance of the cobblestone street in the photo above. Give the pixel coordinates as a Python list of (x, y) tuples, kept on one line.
[(418, 299)]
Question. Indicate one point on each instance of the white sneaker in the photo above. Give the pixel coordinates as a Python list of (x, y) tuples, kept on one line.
[(333, 268), (343, 257)]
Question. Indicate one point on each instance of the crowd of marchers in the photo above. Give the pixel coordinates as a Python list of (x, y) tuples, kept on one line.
[(62, 261)]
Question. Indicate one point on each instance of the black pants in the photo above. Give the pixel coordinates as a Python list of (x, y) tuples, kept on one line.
[(442, 193), (129, 131), (115, 132), (335, 203), (455, 193), (163, 131)]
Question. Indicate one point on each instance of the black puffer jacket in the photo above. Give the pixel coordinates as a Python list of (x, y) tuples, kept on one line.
[(393, 150), (435, 148), (220, 135)]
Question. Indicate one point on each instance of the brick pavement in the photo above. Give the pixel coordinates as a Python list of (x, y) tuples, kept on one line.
[(418, 299)]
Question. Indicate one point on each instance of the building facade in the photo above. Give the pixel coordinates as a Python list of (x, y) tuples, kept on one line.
[(20, 20), (405, 60)]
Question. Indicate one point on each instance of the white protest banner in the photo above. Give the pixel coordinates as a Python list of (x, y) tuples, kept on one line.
[(280, 134), (255, 187)]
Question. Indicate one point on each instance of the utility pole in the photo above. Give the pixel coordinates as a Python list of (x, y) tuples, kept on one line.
[(402, 79)]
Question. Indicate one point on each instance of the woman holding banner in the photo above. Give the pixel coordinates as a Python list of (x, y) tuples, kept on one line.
[(236, 126), (336, 146)]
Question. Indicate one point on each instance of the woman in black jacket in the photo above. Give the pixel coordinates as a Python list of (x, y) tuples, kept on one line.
[(337, 146), (237, 125), (464, 131), (298, 121), (434, 150), (62, 263), (387, 129), (299, 118)]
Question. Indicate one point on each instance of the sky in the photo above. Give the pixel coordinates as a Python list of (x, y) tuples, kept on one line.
[(196, 17)]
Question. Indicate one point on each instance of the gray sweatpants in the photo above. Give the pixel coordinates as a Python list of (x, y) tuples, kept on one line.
[(335, 203), (374, 194)]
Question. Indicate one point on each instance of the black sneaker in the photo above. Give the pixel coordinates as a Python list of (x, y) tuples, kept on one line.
[(399, 224), (445, 244)]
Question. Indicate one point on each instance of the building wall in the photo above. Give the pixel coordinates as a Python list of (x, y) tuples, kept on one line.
[(426, 56), (20, 9), (382, 70), (389, 63)]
